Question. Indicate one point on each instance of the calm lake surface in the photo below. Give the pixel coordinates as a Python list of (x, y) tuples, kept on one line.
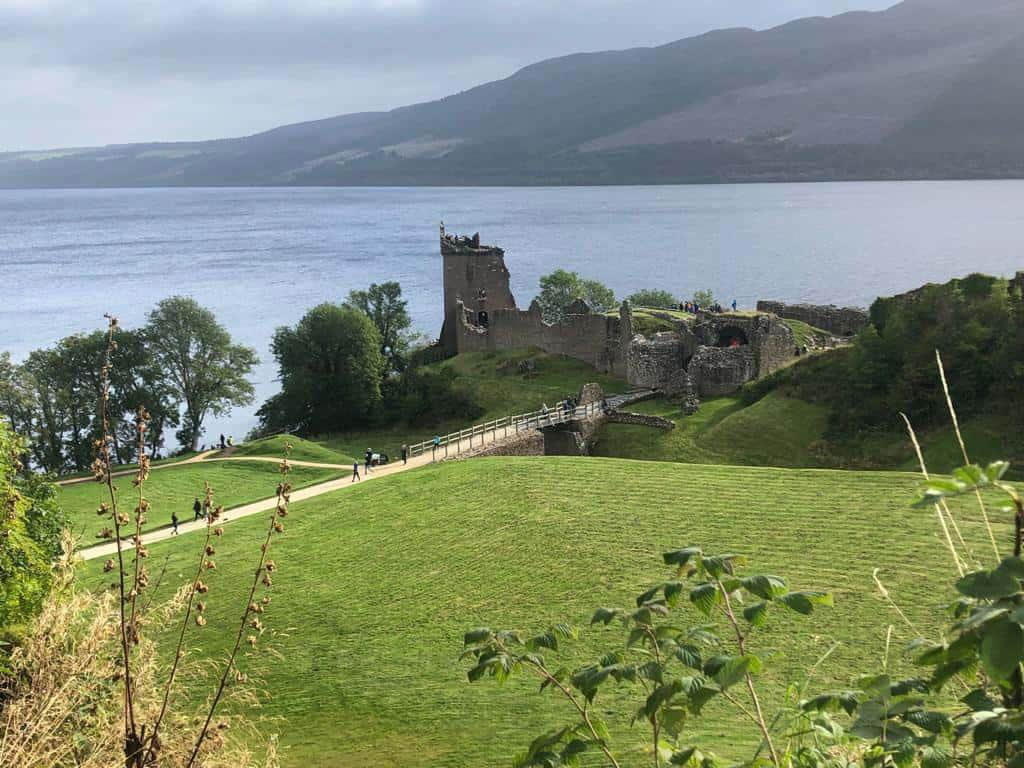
[(260, 257)]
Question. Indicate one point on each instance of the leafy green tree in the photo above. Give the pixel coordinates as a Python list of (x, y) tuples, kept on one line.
[(704, 298), (384, 305), (653, 297), (599, 297), (330, 366), (15, 395), (57, 443), (561, 288), (205, 371), (30, 530), (425, 397)]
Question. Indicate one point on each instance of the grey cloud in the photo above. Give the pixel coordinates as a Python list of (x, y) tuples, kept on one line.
[(104, 72)]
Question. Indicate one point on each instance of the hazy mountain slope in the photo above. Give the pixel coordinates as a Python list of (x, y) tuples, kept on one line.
[(928, 88)]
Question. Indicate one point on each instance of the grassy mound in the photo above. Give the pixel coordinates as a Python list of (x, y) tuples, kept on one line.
[(302, 450), (175, 488), (497, 384), (783, 431), (377, 584), (806, 335), (775, 431)]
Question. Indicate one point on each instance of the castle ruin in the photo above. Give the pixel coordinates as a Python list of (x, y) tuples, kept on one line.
[(703, 355)]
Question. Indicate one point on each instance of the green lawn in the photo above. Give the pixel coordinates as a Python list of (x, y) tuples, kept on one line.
[(175, 488), (302, 450), (500, 389), (377, 583)]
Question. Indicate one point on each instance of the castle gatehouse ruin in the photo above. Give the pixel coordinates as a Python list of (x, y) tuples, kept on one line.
[(700, 355)]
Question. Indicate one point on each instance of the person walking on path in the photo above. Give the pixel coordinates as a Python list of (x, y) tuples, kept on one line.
[(405, 453), (355, 472), (174, 523), (369, 460), (223, 443), (197, 508), (437, 442)]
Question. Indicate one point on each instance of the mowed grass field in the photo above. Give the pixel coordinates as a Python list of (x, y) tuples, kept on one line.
[(376, 585), (175, 489)]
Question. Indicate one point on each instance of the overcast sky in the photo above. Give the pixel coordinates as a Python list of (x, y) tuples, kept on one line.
[(85, 72)]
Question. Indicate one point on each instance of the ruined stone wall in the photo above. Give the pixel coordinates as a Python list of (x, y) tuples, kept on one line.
[(774, 344), (654, 362), (769, 339), (594, 339), (719, 371), (639, 419), (528, 443), (841, 321)]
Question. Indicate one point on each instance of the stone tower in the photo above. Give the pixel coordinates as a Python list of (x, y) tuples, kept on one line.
[(475, 279)]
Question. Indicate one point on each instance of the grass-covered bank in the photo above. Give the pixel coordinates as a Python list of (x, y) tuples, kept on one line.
[(783, 431), (301, 450), (376, 585)]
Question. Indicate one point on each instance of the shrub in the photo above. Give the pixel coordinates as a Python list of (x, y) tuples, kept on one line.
[(653, 297), (424, 398)]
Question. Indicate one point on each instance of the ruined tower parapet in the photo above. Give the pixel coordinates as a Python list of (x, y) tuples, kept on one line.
[(474, 275)]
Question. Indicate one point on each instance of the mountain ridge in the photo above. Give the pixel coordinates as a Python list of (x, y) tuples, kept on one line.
[(924, 89)]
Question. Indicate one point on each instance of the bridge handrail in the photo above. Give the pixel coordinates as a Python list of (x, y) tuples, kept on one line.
[(519, 422)]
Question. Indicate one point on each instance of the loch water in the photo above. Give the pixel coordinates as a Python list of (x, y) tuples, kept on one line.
[(260, 257)]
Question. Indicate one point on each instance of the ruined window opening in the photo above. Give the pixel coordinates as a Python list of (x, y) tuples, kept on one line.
[(730, 336)]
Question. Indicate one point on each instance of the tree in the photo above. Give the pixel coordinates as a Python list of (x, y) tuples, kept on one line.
[(599, 297), (653, 297), (704, 298), (384, 305), (29, 534), (204, 370), (330, 366), (561, 288)]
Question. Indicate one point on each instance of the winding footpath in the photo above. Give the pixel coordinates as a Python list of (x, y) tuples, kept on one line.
[(109, 548)]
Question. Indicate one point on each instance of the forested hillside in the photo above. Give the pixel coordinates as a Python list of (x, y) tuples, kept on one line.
[(926, 89)]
